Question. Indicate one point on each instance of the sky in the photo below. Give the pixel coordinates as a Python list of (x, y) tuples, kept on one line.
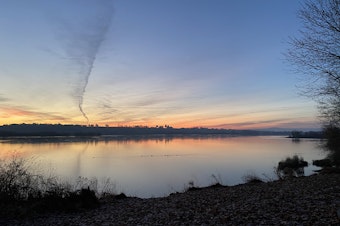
[(183, 63)]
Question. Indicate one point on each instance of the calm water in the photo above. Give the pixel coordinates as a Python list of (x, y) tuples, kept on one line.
[(158, 166)]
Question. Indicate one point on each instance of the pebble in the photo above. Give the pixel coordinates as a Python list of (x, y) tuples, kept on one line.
[(313, 200)]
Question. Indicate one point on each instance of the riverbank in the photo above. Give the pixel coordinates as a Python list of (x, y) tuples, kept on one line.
[(313, 200)]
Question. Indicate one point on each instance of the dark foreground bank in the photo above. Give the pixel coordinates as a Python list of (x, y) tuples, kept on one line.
[(313, 200)]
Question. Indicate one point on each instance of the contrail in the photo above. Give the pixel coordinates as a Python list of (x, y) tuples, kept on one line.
[(94, 42), (83, 41)]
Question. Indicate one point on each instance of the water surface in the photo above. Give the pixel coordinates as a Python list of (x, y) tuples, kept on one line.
[(156, 166)]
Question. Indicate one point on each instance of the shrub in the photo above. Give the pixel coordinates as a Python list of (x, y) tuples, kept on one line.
[(192, 187), (217, 180), (294, 162), (323, 162), (23, 192), (16, 183), (332, 135), (291, 167), (252, 178)]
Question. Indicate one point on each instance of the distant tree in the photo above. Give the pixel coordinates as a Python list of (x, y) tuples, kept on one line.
[(316, 53), (296, 134)]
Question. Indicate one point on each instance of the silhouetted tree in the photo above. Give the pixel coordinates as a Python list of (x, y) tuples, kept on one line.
[(296, 134), (316, 53), (333, 144)]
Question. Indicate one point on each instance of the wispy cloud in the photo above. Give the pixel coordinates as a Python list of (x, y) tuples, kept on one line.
[(3, 99), (83, 41), (274, 123), (134, 65), (22, 112), (249, 124)]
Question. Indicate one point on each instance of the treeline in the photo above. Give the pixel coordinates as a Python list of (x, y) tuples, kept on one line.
[(309, 134), (79, 130)]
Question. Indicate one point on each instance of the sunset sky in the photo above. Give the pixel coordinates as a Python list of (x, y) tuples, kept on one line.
[(184, 63)]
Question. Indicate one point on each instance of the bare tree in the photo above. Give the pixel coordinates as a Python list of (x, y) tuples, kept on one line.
[(316, 54)]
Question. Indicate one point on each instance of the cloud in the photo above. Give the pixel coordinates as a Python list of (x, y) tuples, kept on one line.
[(249, 123), (274, 123), (83, 42), (22, 112), (3, 99)]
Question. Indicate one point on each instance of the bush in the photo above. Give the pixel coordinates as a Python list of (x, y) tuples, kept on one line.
[(16, 183), (294, 162), (252, 178), (332, 134), (323, 162), (23, 192), (291, 167)]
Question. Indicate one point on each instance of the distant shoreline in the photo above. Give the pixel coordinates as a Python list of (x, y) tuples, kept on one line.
[(49, 130)]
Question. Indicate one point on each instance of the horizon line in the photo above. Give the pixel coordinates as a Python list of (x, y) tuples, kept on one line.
[(164, 127)]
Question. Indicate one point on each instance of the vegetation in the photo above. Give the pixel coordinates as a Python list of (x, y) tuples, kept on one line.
[(217, 180), (44, 130), (323, 162), (291, 167), (292, 162), (333, 144), (23, 193), (310, 134), (192, 187), (252, 178), (316, 53)]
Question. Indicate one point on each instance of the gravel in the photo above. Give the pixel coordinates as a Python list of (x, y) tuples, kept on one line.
[(313, 200)]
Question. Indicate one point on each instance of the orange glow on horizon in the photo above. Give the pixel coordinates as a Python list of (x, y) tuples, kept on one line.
[(237, 125), (15, 115)]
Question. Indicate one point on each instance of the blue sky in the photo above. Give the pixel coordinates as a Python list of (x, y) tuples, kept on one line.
[(185, 63)]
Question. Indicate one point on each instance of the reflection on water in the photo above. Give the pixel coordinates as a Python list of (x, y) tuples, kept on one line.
[(158, 165)]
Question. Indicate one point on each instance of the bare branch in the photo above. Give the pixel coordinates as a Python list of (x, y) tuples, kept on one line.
[(317, 54)]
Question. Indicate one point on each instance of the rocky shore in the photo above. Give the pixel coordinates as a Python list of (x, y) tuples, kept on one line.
[(313, 200)]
